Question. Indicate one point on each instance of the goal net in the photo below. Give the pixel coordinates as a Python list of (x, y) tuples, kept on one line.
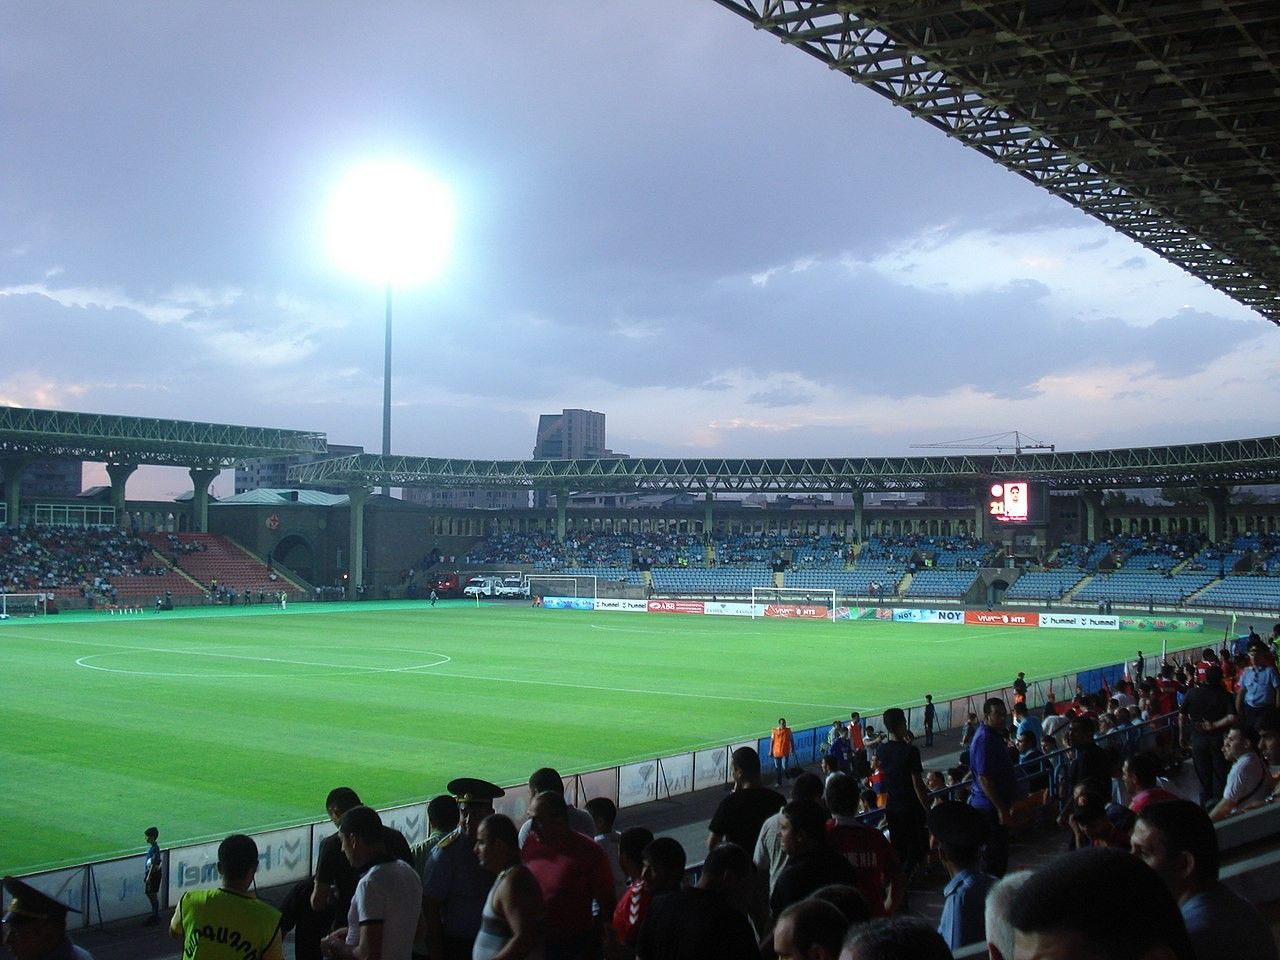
[(578, 585), (23, 605), (796, 603)]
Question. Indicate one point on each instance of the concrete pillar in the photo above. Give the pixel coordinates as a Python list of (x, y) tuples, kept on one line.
[(201, 477), (708, 517), (1217, 502), (12, 467), (355, 549), (858, 504), (119, 474), (1091, 500), (981, 494), (562, 502)]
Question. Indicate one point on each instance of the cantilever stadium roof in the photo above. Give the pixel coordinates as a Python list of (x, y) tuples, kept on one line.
[(1158, 117)]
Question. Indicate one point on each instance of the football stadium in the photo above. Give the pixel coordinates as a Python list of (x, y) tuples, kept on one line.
[(962, 659)]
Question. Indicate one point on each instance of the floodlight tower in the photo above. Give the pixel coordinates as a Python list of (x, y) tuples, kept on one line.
[(390, 222)]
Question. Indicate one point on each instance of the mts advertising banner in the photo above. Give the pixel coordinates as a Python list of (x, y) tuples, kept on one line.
[(676, 606), (568, 603), (793, 611), (1163, 624), (1079, 621), (928, 616), (989, 618), (635, 606)]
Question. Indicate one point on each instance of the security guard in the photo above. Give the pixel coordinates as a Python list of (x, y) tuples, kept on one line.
[(35, 925), (456, 886)]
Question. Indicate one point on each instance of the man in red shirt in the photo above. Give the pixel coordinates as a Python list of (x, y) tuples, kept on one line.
[(881, 880), (572, 871), (1141, 780)]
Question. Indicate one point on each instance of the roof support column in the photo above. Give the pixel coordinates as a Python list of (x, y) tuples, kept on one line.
[(562, 501), (1218, 502), (119, 473), (355, 550), (12, 467), (708, 515), (201, 477), (858, 504), (979, 511), (1092, 502)]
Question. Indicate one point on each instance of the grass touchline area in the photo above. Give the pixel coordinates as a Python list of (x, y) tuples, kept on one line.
[(206, 721)]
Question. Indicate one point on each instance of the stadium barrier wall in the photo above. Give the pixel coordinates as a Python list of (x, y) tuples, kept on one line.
[(111, 890)]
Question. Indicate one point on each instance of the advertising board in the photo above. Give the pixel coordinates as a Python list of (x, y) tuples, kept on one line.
[(676, 606), (611, 603), (721, 608), (795, 611), (928, 616), (1079, 621), (991, 618), (568, 603)]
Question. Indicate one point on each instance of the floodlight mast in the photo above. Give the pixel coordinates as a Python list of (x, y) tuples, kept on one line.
[(386, 393)]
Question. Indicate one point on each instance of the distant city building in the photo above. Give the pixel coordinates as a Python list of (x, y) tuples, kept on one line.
[(52, 479), (468, 499), (571, 435), (273, 472)]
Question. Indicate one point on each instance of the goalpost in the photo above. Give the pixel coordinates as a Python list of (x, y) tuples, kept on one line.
[(805, 598), (23, 605), (535, 579)]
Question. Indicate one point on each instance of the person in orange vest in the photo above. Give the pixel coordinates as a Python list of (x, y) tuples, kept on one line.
[(781, 747)]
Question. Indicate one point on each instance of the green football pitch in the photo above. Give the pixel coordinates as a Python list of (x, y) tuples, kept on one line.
[(206, 722)]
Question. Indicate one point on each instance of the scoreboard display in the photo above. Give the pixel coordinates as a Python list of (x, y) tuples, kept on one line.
[(1015, 501)]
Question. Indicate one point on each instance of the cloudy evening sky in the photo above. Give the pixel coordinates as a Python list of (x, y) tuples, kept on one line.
[(662, 214)]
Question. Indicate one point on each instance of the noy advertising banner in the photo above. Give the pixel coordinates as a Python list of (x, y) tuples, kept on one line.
[(912, 615), (990, 618)]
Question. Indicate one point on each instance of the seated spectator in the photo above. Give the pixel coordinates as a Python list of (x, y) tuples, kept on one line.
[(706, 922), (851, 904), (996, 915), (1094, 824), (1142, 782), (1269, 742), (1032, 766), (1177, 840), (768, 856), (1127, 915), (894, 938), (1248, 778)]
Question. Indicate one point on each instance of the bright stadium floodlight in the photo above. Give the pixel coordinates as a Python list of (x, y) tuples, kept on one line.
[(392, 223)]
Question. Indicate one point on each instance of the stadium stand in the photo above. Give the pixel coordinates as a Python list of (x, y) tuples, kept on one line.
[(224, 569), (946, 584), (1143, 588), (1044, 585)]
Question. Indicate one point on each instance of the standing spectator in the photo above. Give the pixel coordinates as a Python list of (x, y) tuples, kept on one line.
[(1247, 780), (1177, 840), (970, 728), (1090, 767), (858, 740), (959, 830), (782, 748), (706, 922), (1205, 715), (740, 815), (999, 932), (809, 930), (662, 870), (35, 925), (768, 855), (457, 887), (442, 820), (880, 879), (513, 922), (548, 778), (811, 861), (894, 938), (995, 784), (153, 874), (1258, 688), (1026, 722), (1019, 689), (572, 871), (930, 718), (906, 796), (1051, 918), (232, 910), (383, 917), (605, 813)]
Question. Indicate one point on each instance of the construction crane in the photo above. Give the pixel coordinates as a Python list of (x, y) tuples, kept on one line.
[(999, 442)]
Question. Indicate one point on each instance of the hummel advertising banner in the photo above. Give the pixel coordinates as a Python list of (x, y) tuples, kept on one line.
[(610, 603), (1079, 621), (990, 618)]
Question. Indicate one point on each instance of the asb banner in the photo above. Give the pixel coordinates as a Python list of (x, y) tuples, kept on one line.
[(1079, 621), (676, 606), (990, 618), (639, 606), (568, 603)]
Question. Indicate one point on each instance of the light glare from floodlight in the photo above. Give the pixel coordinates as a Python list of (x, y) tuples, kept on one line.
[(392, 223)]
